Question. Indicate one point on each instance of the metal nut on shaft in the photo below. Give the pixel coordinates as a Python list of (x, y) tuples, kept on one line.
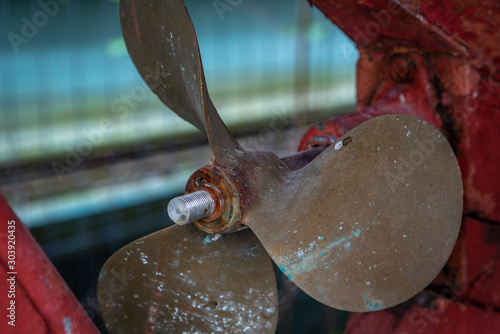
[(191, 207)]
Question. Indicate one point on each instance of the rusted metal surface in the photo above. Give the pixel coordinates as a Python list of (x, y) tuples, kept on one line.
[(388, 83), (482, 246), (230, 188), (227, 214), (459, 94), (474, 24), (182, 280), (43, 302), (240, 180)]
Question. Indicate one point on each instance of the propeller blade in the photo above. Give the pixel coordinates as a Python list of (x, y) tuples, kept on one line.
[(181, 280), (371, 221), (162, 43)]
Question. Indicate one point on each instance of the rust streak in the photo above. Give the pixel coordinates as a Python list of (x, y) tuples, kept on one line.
[(134, 17)]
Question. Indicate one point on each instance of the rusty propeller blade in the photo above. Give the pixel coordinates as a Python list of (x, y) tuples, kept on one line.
[(181, 280), (162, 43), (364, 226), (371, 221)]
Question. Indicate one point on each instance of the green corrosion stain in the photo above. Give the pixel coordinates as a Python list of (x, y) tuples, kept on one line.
[(308, 261), (372, 305), (315, 256), (335, 243), (229, 155)]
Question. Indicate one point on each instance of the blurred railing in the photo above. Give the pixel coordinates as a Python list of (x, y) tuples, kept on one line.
[(80, 134)]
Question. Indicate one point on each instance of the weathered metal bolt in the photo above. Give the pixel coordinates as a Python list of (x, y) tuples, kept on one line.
[(191, 207), (401, 68)]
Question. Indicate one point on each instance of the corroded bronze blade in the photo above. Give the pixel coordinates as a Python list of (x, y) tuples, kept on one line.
[(181, 280), (162, 43), (371, 221)]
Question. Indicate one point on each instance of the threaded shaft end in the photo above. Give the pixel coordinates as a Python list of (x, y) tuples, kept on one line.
[(191, 207)]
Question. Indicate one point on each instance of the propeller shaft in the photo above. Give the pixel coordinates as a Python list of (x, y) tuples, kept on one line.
[(191, 207)]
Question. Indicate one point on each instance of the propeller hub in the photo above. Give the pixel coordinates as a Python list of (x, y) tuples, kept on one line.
[(226, 214)]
